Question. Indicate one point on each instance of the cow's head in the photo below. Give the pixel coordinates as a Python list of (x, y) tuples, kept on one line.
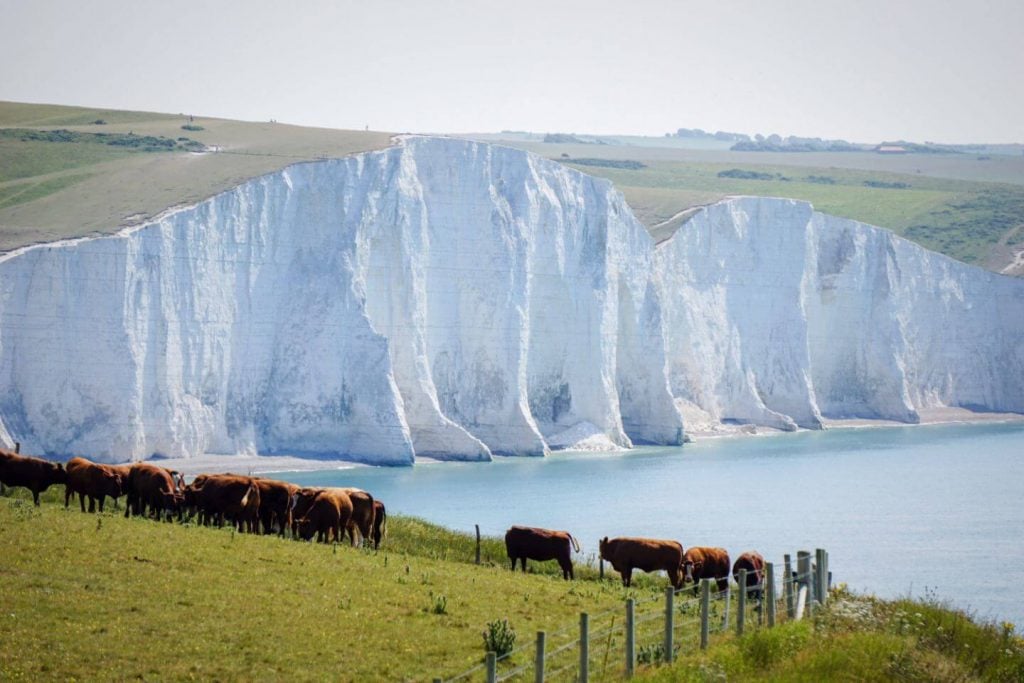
[(304, 528), (604, 548), (117, 484), (689, 566)]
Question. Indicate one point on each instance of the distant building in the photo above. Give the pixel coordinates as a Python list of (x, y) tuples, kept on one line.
[(890, 149)]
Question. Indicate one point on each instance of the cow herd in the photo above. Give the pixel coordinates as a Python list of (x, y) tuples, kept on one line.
[(268, 506), (250, 504), (646, 554)]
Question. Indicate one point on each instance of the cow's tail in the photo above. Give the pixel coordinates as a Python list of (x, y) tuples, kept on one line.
[(245, 498), (575, 543)]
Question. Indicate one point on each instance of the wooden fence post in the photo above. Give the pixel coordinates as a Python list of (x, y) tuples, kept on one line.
[(630, 637), (805, 578), (538, 667), (670, 594), (741, 604), (584, 647), (491, 664), (769, 592), (705, 612), (478, 544), (17, 447), (728, 600), (787, 586), (600, 568), (821, 567)]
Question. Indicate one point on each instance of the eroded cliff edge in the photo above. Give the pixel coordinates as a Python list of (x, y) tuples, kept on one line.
[(452, 299)]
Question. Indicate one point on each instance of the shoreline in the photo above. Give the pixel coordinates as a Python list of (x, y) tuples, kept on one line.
[(929, 417), (267, 464)]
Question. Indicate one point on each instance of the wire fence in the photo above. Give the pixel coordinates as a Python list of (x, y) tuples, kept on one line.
[(656, 629)]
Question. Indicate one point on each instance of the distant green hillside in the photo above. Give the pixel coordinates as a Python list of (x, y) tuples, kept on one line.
[(74, 171)]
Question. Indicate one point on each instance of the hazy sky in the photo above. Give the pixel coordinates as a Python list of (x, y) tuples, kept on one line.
[(863, 70)]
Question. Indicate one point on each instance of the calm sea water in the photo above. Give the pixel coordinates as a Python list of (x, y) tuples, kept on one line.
[(899, 509)]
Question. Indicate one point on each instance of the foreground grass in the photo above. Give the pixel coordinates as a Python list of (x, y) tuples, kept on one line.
[(101, 597), (860, 638)]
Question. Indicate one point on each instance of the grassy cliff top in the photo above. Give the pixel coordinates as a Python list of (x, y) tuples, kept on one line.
[(83, 183)]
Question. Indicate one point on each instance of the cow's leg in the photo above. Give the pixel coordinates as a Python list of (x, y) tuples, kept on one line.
[(67, 496), (514, 560), (566, 565), (35, 496), (627, 576), (92, 504)]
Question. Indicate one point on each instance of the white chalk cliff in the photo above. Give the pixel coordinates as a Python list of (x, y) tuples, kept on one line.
[(455, 300)]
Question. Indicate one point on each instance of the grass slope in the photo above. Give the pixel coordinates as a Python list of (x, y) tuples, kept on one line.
[(859, 638), (56, 190), (101, 597)]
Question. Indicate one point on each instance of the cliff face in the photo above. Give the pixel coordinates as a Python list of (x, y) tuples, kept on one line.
[(442, 298), (450, 299), (778, 315)]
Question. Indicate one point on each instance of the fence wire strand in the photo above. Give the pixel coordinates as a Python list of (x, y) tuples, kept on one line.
[(607, 644)]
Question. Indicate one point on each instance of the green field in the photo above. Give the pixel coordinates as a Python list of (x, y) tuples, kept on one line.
[(99, 597), (56, 190)]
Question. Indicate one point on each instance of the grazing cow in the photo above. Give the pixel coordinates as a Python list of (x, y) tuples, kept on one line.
[(35, 474), (95, 481), (646, 554), (225, 496), (754, 564), (362, 514), (147, 486), (327, 516), (275, 501), (300, 503), (380, 523), (523, 543), (706, 563)]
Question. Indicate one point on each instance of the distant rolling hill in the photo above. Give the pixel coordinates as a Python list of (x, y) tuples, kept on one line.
[(80, 183)]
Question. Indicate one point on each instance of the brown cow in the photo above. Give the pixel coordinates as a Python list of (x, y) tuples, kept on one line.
[(523, 543), (647, 554), (147, 486), (275, 501), (35, 474), (302, 500), (380, 523), (327, 516), (231, 496), (362, 515), (706, 563), (94, 480), (754, 564)]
